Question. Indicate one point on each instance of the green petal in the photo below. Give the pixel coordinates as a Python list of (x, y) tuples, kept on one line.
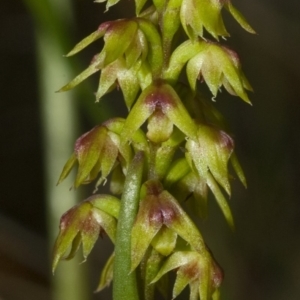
[(108, 78), (246, 83), (118, 38), (179, 57), (89, 39), (176, 219), (176, 260), (107, 222), (106, 203), (111, 3), (67, 168), (108, 156), (144, 229), (149, 268), (178, 170), (238, 169), (90, 233), (164, 242), (194, 290), (184, 188), (116, 183), (155, 55), (93, 68), (177, 112), (193, 69), (163, 159), (144, 75), (129, 84), (171, 20), (156, 122), (138, 115), (198, 205), (216, 295), (89, 147), (139, 4), (239, 17), (108, 4), (106, 274), (212, 73), (205, 279), (182, 280), (75, 247), (220, 200)]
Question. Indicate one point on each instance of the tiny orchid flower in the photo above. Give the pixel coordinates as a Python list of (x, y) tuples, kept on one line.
[(196, 15), (211, 153), (160, 103), (83, 224), (131, 53), (218, 66), (97, 151), (201, 272), (159, 209)]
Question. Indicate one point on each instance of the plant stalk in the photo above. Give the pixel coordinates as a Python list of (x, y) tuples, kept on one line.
[(125, 281)]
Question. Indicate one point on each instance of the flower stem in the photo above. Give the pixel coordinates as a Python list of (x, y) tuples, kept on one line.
[(125, 282)]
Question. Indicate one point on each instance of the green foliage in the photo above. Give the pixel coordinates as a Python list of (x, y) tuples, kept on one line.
[(150, 228)]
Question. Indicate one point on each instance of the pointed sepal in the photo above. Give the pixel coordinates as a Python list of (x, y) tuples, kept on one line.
[(106, 274), (237, 15)]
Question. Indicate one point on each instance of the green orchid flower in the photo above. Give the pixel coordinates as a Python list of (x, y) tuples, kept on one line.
[(159, 220), (199, 271), (98, 150), (83, 224)]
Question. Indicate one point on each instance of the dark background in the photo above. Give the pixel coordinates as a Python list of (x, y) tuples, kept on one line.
[(262, 258)]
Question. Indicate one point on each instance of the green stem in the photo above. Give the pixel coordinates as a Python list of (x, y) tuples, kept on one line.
[(125, 282)]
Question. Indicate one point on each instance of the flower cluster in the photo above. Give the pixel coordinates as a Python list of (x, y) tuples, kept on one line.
[(170, 152)]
